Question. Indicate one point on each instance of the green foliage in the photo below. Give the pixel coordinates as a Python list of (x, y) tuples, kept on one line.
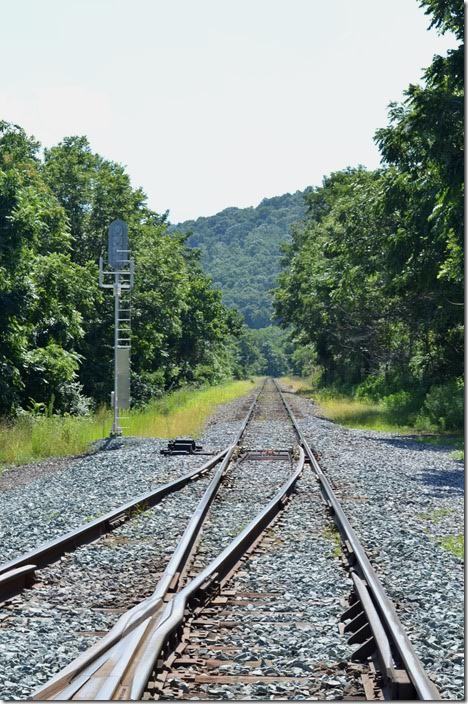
[(401, 404), (37, 435), (370, 291), (56, 324), (331, 534), (372, 280), (241, 250), (265, 352), (437, 515), (355, 413), (185, 411), (443, 406), (425, 141), (41, 289)]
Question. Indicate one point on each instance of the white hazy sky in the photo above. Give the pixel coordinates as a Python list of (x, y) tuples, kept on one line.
[(213, 103)]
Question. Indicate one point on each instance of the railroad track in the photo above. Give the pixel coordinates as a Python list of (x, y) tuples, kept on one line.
[(188, 638), (19, 573)]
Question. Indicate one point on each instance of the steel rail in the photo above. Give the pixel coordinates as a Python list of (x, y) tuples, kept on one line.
[(213, 575), (124, 676), (91, 674), (116, 647), (119, 665), (423, 686), (18, 573)]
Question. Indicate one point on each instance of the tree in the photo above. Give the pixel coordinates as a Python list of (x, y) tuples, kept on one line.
[(372, 280), (241, 251), (56, 323), (41, 289), (179, 323)]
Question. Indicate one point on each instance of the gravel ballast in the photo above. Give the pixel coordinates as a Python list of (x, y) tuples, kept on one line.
[(249, 484), (403, 498), (292, 633), (90, 487), (81, 596), (79, 490)]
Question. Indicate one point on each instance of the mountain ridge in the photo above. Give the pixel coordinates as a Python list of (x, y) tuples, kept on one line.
[(241, 250)]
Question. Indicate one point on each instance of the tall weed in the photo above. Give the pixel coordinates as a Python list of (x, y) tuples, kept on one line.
[(36, 435)]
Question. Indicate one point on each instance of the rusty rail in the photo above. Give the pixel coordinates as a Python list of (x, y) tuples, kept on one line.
[(92, 674), (119, 668), (119, 665), (18, 573), (386, 633)]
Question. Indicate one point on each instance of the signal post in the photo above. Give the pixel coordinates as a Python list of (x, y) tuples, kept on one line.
[(119, 277)]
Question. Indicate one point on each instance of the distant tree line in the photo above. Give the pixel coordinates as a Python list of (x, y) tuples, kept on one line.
[(56, 324), (371, 289), (372, 283)]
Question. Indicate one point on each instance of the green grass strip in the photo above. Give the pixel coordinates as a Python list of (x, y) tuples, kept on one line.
[(183, 412), (369, 415), (454, 544)]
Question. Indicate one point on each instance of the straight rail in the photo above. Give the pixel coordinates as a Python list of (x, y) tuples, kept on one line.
[(90, 675), (119, 666), (423, 686)]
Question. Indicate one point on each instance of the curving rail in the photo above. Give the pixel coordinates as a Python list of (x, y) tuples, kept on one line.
[(18, 573), (92, 674), (119, 665)]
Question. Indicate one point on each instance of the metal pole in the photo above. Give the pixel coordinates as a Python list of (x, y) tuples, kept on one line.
[(116, 429)]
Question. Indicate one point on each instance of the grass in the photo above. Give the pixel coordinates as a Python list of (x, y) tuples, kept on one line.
[(454, 544), (354, 413), (296, 383), (457, 441), (138, 510), (331, 533), (347, 411), (369, 415), (358, 414), (182, 412), (31, 438), (436, 515)]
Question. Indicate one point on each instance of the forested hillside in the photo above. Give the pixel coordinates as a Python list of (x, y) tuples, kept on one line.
[(241, 251), (373, 280), (370, 291), (56, 324)]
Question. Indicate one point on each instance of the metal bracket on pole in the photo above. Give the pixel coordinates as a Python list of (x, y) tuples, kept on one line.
[(126, 275)]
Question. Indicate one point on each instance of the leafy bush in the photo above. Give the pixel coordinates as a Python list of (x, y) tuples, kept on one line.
[(373, 387), (303, 361), (145, 386), (381, 385), (71, 400), (443, 406), (402, 405)]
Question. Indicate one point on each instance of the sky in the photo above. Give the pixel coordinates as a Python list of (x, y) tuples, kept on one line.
[(213, 103)]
